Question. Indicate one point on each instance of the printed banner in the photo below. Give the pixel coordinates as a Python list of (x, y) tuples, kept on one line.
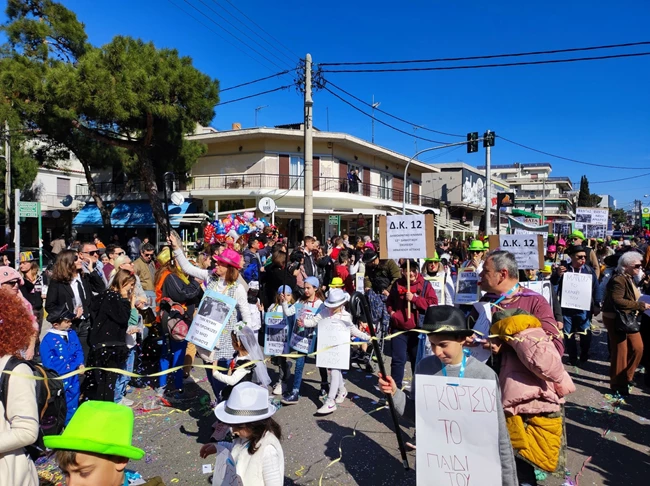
[(458, 432), (525, 248), (518, 228), (576, 291), (214, 312), (467, 291), (302, 336), (333, 344), (276, 333)]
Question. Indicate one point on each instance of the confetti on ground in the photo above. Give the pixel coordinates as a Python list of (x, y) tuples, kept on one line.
[(299, 472)]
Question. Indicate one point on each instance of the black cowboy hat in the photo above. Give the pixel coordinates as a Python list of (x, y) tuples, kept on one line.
[(446, 319)]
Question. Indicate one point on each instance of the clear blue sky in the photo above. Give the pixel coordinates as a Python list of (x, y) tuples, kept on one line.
[(593, 111)]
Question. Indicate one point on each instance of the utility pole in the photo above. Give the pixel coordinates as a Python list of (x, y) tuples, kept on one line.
[(374, 105), (543, 200), (488, 185), (7, 157), (308, 230)]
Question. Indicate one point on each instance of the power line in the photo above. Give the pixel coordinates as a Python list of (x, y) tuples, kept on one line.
[(393, 116), (378, 120), (569, 159), (485, 66), (255, 81), (217, 33), (262, 29), (492, 56), (255, 95), (614, 180)]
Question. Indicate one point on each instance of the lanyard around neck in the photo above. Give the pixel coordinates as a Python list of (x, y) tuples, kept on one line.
[(506, 295), (461, 373)]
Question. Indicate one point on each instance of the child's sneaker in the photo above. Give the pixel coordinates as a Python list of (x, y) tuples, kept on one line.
[(277, 389), (327, 408), (324, 389), (340, 396), (290, 398)]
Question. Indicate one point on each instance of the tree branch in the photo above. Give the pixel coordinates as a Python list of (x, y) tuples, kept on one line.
[(103, 138)]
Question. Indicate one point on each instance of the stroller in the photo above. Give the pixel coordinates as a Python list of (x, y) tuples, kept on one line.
[(379, 319)]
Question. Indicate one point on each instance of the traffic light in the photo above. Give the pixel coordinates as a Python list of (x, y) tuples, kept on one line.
[(472, 142), (488, 139)]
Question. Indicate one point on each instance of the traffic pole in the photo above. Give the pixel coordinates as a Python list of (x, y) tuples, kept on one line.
[(7, 157), (488, 184), (16, 227), (40, 236), (309, 153)]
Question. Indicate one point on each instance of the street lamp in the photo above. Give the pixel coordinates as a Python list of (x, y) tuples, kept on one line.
[(257, 110)]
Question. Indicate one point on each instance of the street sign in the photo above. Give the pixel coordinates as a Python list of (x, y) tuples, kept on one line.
[(405, 236), (28, 210), (334, 220), (266, 205)]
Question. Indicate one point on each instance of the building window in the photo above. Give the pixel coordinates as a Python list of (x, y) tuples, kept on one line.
[(409, 189), (385, 186), (296, 169), (62, 187)]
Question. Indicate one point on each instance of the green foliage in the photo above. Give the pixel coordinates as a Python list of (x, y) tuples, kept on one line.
[(618, 217), (585, 198)]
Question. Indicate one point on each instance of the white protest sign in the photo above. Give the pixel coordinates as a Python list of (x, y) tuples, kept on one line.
[(438, 284), (576, 291), (524, 247), (466, 288), (542, 287), (333, 344), (482, 330), (458, 433), (276, 333), (214, 312), (358, 279), (406, 237)]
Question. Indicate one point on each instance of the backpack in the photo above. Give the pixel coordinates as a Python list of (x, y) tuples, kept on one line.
[(252, 271), (174, 319), (50, 398)]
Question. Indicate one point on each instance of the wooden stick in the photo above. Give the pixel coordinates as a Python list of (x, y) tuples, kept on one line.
[(408, 287)]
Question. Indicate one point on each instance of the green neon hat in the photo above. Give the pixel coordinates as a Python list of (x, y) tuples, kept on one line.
[(577, 234), (476, 245), (100, 427), (486, 245), (435, 258), (600, 240)]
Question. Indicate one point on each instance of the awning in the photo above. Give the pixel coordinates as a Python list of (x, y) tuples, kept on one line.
[(526, 214), (135, 214)]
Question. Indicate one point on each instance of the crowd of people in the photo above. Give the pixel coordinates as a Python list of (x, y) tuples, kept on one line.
[(132, 307)]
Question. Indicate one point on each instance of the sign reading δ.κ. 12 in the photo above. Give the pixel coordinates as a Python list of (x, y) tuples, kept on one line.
[(409, 236)]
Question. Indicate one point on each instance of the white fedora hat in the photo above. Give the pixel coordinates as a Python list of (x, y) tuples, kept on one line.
[(247, 403), (336, 298)]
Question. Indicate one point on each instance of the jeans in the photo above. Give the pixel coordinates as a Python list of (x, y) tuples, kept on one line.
[(405, 348), (123, 380), (216, 385), (577, 322), (176, 358)]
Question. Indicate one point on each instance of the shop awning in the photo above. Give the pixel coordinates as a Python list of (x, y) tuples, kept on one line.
[(525, 214), (135, 214), (88, 216)]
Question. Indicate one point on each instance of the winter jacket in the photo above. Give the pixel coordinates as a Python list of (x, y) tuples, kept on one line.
[(271, 280), (596, 297), (620, 295), (343, 273), (532, 377), (397, 304), (111, 314), (381, 277)]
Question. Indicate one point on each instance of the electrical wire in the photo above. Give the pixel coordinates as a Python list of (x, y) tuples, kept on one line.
[(217, 33), (485, 66), (568, 159), (378, 120), (491, 56), (420, 127), (613, 180), (255, 81), (254, 95)]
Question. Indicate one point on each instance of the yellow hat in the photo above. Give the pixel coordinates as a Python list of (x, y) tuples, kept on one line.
[(337, 283), (164, 256), (547, 269)]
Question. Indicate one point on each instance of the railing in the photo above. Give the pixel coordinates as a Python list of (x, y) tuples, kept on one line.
[(54, 201), (129, 187)]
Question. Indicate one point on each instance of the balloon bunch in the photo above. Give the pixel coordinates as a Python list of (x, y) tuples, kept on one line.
[(233, 228)]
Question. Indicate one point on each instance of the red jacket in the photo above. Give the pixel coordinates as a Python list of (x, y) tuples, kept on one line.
[(397, 303), (343, 273)]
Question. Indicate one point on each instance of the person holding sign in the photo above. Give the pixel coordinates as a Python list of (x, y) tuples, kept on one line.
[(284, 305), (418, 297), (448, 330), (580, 299), (576, 239)]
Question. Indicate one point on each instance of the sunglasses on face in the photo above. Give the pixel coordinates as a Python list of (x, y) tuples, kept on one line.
[(638, 265), (580, 257), (119, 254), (91, 253), (149, 255), (13, 283), (573, 239)]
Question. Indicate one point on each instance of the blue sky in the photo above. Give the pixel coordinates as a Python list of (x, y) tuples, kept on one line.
[(592, 111)]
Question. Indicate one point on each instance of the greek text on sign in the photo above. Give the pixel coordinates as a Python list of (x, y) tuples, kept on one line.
[(523, 247), (209, 322), (576, 291), (333, 344), (458, 434), (406, 237)]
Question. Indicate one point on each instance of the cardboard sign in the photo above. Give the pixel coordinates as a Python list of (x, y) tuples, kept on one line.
[(542, 287), (458, 432), (302, 337), (482, 330), (467, 289), (576, 291), (438, 284), (209, 322), (358, 281), (528, 249), (333, 344), (410, 236), (276, 333)]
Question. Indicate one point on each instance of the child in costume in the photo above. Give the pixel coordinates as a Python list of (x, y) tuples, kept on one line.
[(95, 447), (283, 303), (449, 329), (61, 351), (334, 307)]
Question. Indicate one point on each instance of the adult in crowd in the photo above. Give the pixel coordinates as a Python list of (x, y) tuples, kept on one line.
[(621, 300), (32, 289), (98, 242), (58, 244), (476, 252), (578, 321), (252, 261), (11, 281), (380, 275), (313, 266), (19, 417), (276, 275), (113, 251), (432, 268), (90, 255), (72, 287), (576, 239), (419, 296), (133, 246), (146, 270), (353, 181), (500, 280), (112, 311), (173, 283), (223, 279), (124, 263)]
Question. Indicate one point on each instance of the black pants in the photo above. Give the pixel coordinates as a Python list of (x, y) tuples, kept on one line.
[(82, 328), (525, 472), (100, 384), (404, 348)]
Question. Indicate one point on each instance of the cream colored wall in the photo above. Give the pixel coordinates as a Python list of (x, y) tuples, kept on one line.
[(374, 178)]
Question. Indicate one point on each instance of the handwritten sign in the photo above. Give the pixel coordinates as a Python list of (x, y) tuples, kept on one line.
[(482, 330), (458, 435), (214, 312), (410, 236), (527, 249), (542, 287), (438, 284), (358, 279), (466, 288), (302, 337), (333, 345), (276, 333), (576, 291)]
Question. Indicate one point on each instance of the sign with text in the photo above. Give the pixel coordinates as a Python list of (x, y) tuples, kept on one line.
[(267, 205), (304, 329), (528, 249), (276, 333), (467, 290), (29, 209), (592, 222), (482, 330), (458, 433), (542, 287), (333, 345), (410, 236), (438, 284), (576, 291), (209, 322), (358, 281)]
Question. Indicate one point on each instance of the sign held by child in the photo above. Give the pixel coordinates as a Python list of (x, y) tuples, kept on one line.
[(333, 345)]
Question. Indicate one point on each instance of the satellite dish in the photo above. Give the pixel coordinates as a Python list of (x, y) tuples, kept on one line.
[(177, 198), (66, 201)]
